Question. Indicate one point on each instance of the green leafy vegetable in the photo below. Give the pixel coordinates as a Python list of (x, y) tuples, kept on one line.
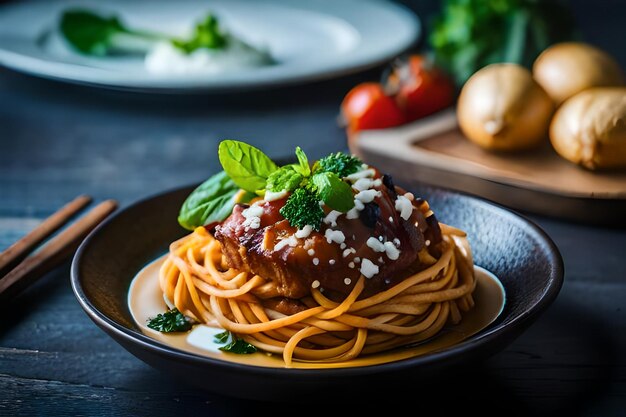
[(285, 178), (93, 34), (207, 34), (211, 202), (234, 344), (340, 163), (248, 168), (170, 321), (246, 165), (333, 191), (302, 208), (471, 34)]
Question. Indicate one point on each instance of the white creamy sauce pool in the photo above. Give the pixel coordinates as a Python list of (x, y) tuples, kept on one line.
[(165, 58), (145, 300)]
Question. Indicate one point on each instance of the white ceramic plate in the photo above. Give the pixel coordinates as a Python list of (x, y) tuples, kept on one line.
[(310, 40)]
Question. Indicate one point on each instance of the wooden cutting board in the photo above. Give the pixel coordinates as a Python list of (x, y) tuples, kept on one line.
[(434, 151)]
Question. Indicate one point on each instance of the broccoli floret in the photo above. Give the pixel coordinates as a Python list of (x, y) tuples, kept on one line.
[(285, 178), (339, 163), (302, 208)]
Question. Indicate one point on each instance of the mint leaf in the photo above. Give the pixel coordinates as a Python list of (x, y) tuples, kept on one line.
[(212, 201), (333, 191), (246, 165)]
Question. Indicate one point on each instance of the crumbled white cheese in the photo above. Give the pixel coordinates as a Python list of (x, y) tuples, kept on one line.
[(311, 252), (368, 269), (290, 241), (343, 246), (304, 232), (410, 196), (348, 251), (316, 261), (351, 265), (253, 211), (364, 173), (380, 238), (367, 196), (404, 207), (331, 218), (336, 236), (375, 244), (396, 242), (272, 196), (331, 261), (390, 219), (427, 242), (253, 217), (315, 284), (392, 252), (357, 259), (347, 281), (363, 184), (380, 260)]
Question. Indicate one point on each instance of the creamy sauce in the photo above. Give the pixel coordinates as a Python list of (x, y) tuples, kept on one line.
[(145, 300), (165, 58)]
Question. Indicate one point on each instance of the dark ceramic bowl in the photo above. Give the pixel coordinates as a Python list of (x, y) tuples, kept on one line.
[(514, 249)]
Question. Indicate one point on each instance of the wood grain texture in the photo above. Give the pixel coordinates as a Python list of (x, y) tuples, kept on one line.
[(57, 141)]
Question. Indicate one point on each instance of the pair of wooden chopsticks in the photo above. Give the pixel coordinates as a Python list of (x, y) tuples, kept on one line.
[(19, 270)]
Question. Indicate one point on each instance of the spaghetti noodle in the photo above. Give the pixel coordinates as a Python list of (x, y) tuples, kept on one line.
[(197, 280)]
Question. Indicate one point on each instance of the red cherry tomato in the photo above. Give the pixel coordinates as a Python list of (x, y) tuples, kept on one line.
[(420, 87), (367, 106)]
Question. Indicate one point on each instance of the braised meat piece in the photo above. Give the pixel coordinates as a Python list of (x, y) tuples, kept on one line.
[(380, 238)]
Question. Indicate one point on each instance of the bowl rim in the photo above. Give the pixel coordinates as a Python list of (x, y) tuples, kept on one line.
[(485, 337)]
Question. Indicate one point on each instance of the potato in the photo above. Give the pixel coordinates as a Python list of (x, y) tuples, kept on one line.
[(565, 69), (502, 108), (590, 128)]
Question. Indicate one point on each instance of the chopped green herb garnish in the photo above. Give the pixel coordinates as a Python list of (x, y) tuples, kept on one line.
[(302, 208), (234, 344), (170, 321), (340, 163), (207, 34)]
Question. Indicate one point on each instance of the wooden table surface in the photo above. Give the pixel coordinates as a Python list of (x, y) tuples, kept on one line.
[(58, 141)]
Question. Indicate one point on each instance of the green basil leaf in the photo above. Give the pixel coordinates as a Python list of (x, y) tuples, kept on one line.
[(212, 201), (246, 165), (333, 191)]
